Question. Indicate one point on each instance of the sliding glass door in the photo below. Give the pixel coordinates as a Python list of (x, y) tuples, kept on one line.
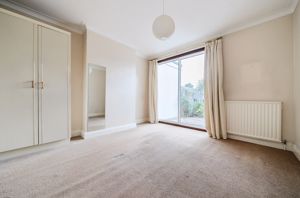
[(181, 91)]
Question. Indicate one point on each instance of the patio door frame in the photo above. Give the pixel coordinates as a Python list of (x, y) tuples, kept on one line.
[(179, 58), (179, 92)]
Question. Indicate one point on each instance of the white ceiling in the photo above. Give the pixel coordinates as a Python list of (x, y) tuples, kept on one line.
[(130, 21)]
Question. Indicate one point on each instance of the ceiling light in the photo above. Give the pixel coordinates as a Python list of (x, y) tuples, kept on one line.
[(163, 26)]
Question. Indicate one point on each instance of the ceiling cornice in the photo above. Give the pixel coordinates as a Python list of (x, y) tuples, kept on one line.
[(22, 9), (200, 42), (89, 28), (18, 7)]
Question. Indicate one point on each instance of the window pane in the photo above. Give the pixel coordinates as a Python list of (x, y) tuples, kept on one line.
[(192, 91), (168, 91)]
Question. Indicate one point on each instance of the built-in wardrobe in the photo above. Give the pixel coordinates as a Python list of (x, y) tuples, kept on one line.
[(34, 82)]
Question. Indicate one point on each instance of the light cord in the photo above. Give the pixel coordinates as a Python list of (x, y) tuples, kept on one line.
[(163, 7)]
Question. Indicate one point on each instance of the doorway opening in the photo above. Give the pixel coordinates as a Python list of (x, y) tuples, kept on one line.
[(181, 91)]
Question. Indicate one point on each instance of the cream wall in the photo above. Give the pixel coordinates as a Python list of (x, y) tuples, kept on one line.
[(296, 28), (76, 82), (258, 65), (141, 90), (120, 63)]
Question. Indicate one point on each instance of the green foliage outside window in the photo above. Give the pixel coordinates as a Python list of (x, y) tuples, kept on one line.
[(192, 100)]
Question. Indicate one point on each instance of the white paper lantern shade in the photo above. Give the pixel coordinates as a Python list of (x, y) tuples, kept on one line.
[(163, 27)]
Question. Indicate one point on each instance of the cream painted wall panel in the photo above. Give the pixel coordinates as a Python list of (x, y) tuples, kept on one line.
[(258, 66), (296, 28), (141, 90), (77, 52), (120, 63)]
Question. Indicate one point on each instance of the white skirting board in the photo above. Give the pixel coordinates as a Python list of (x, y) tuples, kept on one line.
[(108, 131), (295, 149), (43, 147), (31, 150), (289, 146), (277, 145), (79, 132)]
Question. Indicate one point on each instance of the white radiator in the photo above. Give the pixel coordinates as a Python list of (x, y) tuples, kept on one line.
[(260, 120)]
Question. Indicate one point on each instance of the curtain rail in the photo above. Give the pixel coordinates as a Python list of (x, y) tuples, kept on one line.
[(181, 55)]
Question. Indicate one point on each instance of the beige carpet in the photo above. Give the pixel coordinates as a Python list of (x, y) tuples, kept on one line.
[(153, 161)]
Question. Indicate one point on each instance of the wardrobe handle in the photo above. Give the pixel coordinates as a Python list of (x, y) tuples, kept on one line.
[(41, 85), (29, 84)]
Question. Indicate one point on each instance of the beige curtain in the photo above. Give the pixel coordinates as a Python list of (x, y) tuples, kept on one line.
[(153, 114), (214, 98)]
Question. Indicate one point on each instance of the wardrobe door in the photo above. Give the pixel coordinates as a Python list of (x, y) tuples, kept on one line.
[(53, 73), (18, 124)]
